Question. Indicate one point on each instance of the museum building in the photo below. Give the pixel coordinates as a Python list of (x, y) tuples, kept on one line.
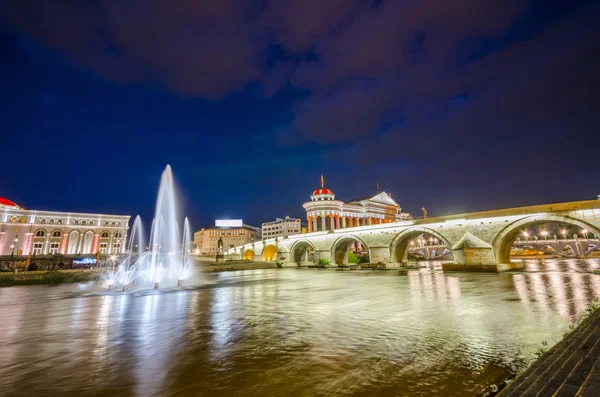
[(324, 212)]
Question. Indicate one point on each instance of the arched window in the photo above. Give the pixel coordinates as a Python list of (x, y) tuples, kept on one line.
[(105, 223), (23, 220), (119, 224), (43, 221), (13, 219), (104, 235), (52, 221), (118, 235), (40, 233), (59, 222), (112, 224), (56, 233), (76, 223)]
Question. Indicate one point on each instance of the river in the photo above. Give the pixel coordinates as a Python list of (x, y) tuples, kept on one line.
[(290, 332)]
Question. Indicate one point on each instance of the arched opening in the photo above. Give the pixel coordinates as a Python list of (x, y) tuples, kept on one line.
[(532, 236), (40, 233), (269, 253), (87, 242), (421, 244), (303, 253), (346, 244), (73, 240), (248, 255)]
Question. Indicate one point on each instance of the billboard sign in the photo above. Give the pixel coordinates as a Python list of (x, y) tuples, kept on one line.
[(228, 223)]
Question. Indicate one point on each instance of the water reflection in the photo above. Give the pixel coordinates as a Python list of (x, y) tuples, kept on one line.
[(291, 332)]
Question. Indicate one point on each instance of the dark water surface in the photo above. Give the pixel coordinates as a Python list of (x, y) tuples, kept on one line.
[(290, 332)]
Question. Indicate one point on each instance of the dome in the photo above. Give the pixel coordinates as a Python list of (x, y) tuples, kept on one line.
[(322, 191), (7, 203)]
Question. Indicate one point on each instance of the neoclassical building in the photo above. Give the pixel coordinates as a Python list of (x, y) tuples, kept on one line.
[(24, 231), (324, 212)]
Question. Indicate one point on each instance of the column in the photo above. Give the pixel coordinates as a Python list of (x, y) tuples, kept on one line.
[(370, 221), (337, 222), (63, 243), (323, 223), (315, 225), (332, 222), (309, 224), (28, 243), (2, 234), (344, 222), (46, 244), (96, 243)]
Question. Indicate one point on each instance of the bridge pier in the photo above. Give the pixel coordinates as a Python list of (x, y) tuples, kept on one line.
[(475, 255)]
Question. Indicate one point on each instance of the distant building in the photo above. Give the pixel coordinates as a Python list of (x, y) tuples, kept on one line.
[(233, 233), (323, 212), (24, 231), (281, 227)]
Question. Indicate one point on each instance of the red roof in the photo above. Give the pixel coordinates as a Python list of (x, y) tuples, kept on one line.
[(4, 201), (322, 191)]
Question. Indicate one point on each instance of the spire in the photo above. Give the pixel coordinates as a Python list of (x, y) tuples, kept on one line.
[(322, 181)]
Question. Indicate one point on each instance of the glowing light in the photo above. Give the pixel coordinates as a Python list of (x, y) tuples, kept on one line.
[(563, 232), (544, 233), (525, 234), (584, 231)]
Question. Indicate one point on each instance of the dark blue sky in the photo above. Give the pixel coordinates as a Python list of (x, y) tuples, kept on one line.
[(455, 105)]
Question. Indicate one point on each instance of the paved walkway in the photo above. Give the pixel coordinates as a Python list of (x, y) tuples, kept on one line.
[(569, 368)]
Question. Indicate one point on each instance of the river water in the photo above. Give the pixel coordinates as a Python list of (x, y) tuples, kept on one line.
[(290, 332)]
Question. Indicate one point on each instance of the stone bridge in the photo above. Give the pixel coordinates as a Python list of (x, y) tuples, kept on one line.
[(479, 241)]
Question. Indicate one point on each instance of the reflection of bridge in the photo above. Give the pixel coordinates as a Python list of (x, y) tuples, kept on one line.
[(478, 241), (577, 247)]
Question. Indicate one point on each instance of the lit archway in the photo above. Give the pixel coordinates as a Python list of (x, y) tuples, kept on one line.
[(504, 240), (302, 252), (340, 249), (248, 255), (269, 253), (419, 239), (73, 242)]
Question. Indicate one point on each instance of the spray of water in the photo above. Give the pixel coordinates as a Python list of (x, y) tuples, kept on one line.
[(168, 256)]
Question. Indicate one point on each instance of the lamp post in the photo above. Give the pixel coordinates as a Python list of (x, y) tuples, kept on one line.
[(526, 236), (564, 234), (545, 234), (585, 233)]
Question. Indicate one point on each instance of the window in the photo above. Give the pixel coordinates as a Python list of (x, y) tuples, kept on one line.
[(105, 223), (40, 233), (56, 233), (53, 248), (52, 221), (104, 235), (103, 248), (23, 220), (76, 222), (118, 235), (43, 221), (59, 222), (37, 248), (117, 248)]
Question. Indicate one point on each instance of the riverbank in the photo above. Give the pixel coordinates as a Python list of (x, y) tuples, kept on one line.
[(206, 266), (569, 368), (48, 277)]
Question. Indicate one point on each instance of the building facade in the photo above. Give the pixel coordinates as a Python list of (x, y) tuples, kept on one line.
[(24, 232), (206, 240), (281, 227), (324, 212)]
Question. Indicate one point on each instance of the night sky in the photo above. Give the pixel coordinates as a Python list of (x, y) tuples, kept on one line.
[(457, 106)]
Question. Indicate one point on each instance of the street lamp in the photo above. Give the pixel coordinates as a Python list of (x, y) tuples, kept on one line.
[(545, 234), (564, 234), (585, 232)]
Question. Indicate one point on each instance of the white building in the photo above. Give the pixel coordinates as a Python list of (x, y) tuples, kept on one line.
[(24, 231), (324, 212), (281, 227)]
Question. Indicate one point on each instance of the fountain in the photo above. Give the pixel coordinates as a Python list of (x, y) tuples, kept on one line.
[(166, 258)]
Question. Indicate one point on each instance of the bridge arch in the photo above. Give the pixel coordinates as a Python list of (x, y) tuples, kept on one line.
[(400, 243), (504, 239), (269, 253), (341, 246), (299, 251), (248, 254)]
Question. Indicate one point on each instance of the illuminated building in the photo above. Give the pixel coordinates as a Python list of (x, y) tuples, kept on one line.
[(281, 227), (233, 232), (24, 231), (324, 212)]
